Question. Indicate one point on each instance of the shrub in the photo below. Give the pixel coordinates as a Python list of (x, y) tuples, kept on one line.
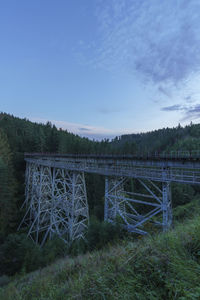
[(54, 249), (101, 233), (18, 252)]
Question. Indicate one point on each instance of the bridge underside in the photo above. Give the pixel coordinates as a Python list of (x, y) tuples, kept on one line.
[(134, 209)]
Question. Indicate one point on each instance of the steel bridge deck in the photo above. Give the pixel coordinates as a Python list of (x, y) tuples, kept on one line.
[(185, 170)]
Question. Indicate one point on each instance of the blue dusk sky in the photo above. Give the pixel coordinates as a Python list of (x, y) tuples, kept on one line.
[(101, 68)]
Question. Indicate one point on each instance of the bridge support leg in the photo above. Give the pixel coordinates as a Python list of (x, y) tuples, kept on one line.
[(32, 182), (134, 209), (114, 203), (56, 204), (77, 212), (106, 203), (166, 205), (40, 196)]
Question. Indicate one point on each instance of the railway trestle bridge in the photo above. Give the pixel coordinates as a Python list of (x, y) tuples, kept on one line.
[(56, 198)]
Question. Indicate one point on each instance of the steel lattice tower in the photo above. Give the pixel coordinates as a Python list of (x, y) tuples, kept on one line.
[(129, 206), (56, 203)]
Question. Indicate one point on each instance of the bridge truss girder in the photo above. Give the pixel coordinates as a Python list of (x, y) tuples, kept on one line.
[(135, 209), (55, 203)]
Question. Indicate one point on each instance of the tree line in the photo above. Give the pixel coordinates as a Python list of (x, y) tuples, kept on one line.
[(20, 135)]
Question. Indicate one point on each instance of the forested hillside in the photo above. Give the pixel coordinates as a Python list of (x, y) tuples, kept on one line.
[(164, 266), (166, 139), (20, 135)]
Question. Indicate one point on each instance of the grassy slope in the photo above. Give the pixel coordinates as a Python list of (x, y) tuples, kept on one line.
[(164, 266)]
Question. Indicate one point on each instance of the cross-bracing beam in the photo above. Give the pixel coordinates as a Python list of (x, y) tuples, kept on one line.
[(134, 209), (55, 202)]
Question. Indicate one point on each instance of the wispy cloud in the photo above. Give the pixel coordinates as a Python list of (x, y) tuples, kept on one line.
[(106, 110), (188, 98), (189, 113), (192, 113), (91, 132), (158, 39), (176, 107), (84, 129), (164, 91)]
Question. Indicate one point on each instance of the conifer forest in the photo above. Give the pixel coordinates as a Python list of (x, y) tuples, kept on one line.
[(160, 266)]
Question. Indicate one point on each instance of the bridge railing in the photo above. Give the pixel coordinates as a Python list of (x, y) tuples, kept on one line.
[(180, 154), (173, 174)]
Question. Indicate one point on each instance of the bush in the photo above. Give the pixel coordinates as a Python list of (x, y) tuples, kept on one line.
[(182, 194), (20, 254), (17, 253), (4, 280), (187, 211), (54, 249), (101, 233)]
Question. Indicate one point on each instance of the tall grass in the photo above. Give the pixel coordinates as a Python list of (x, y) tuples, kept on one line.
[(162, 266)]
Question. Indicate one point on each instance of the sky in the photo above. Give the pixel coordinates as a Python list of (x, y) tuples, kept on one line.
[(101, 68)]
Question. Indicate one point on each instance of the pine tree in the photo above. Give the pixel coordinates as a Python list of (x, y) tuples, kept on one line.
[(8, 209)]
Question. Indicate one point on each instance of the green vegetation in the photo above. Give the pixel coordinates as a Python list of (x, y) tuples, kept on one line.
[(7, 188), (22, 255), (161, 266), (109, 263)]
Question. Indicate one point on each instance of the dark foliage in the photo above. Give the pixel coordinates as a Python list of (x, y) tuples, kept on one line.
[(20, 135)]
